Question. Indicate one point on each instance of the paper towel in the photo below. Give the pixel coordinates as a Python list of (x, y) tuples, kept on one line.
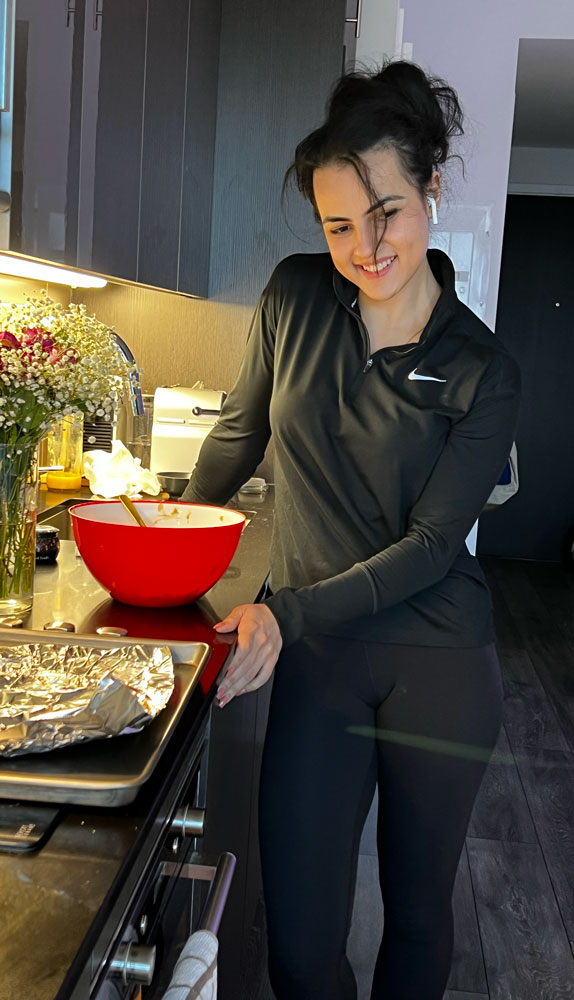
[(110, 474)]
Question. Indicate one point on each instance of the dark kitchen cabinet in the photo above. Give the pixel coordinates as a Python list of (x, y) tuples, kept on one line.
[(155, 141), (278, 62), (114, 171), (41, 127)]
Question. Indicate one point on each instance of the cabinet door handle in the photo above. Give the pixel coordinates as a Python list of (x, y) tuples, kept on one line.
[(98, 12), (70, 11), (356, 20)]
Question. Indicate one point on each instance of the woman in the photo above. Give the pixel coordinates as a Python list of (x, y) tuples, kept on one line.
[(393, 409)]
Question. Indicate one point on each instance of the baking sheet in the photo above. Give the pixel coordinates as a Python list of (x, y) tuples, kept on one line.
[(102, 772)]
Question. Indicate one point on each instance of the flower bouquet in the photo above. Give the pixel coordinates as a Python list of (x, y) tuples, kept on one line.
[(54, 360)]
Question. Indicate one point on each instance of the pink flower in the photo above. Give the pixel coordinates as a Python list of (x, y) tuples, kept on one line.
[(9, 341), (33, 336), (30, 336), (55, 355)]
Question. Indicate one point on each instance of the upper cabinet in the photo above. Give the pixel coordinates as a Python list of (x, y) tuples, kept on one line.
[(113, 136)]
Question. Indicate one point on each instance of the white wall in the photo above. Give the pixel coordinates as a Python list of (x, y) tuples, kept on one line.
[(378, 37), (541, 170), (475, 47)]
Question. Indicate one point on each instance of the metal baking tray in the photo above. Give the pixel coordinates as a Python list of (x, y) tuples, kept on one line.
[(107, 772)]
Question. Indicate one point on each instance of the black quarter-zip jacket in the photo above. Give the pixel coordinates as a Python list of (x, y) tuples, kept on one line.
[(382, 462)]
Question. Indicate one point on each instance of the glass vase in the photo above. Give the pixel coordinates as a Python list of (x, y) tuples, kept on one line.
[(18, 506)]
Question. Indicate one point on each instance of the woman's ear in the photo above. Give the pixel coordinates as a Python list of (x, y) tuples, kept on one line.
[(433, 189)]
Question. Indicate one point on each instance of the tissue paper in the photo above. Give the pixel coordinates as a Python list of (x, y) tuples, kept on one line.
[(110, 474)]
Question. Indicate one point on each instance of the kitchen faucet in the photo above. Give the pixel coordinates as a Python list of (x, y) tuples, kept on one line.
[(136, 398)]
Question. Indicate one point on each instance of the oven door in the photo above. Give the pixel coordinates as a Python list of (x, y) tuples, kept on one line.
[(183, 892), (144, 972)]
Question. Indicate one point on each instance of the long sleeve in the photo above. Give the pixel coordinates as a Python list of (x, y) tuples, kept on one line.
[(234, 448), (474, 455)]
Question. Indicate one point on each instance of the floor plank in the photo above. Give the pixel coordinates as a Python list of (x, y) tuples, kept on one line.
[(527, 952), (548, 779), (529, 719), (367, 925), (507, 634), (551, 656), (369, 836), (456, 995), (467, 967), (501, 811), (555, 586)]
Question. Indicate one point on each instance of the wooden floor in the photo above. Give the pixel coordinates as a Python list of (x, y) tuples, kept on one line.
[(514, 896)]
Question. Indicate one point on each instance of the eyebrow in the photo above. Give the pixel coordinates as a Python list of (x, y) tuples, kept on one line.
[(373, 208)]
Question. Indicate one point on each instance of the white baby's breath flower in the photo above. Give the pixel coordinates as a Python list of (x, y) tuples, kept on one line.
[(68, 362)]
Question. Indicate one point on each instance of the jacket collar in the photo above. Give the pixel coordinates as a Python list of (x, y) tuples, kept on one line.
[(443, 270)]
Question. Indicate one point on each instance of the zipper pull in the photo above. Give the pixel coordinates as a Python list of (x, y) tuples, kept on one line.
[(368, 365)]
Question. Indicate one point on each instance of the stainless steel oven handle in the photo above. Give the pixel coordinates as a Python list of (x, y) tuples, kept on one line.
[(220, 878), (217, 897)]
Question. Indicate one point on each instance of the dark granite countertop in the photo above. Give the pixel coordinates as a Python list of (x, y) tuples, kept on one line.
[(57, 902)]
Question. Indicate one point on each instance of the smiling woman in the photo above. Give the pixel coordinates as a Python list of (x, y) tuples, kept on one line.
[(392, 409), (381, 250)]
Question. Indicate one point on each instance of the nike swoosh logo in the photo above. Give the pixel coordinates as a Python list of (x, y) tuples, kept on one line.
[(424, 378)]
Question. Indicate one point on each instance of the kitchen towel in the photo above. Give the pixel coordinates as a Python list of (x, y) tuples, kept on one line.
[(195, 973)]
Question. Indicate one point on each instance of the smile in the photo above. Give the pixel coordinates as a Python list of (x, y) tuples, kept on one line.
[(379, 267)]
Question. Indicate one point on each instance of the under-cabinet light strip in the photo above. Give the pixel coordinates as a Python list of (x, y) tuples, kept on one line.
[(20, 268)]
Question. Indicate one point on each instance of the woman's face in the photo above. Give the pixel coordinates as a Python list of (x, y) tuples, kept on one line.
[(353, 225)]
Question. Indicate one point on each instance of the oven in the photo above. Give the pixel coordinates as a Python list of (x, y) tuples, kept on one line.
[(178, 892)]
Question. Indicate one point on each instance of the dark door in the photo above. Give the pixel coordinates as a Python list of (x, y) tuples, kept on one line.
[(536, 322)]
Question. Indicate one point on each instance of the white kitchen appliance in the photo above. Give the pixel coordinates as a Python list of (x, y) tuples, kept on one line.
[(182, 419)]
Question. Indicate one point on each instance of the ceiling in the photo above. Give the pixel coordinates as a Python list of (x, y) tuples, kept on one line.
[(544, 111)]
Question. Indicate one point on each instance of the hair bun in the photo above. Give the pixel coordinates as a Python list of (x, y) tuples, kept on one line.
[(396, 106), (429, 99)]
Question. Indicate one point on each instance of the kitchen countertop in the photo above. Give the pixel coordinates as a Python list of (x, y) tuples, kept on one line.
[(56, 902)]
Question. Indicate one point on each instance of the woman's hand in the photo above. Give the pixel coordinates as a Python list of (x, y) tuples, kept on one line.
[(258, 646)]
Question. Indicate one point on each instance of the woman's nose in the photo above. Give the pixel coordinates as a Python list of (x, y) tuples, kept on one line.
[(365, 242)]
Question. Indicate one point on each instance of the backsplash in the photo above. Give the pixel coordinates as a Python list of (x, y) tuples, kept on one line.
[(16, 289), (174, 338)]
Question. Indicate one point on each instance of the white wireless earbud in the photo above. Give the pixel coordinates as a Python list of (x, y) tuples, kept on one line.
[(432, 203)]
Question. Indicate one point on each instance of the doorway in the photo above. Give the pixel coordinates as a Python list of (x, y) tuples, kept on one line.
[(535, 317), (535, 320)]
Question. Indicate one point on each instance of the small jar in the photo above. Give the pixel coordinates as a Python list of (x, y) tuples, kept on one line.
[(47, 543)]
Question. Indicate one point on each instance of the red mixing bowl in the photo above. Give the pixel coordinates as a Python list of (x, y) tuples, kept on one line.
[(184, 551)]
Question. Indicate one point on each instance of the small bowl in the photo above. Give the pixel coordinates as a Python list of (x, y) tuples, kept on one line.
[(173, 483)]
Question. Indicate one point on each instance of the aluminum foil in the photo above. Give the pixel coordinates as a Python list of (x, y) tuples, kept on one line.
[(52, 695)]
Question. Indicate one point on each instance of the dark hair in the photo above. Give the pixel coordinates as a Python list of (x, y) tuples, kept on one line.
[(397, 106)]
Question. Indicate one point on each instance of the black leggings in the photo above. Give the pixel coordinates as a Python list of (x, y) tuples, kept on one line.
[(346, 715)]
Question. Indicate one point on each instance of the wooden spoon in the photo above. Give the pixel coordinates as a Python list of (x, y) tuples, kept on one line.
[(132, 510)]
